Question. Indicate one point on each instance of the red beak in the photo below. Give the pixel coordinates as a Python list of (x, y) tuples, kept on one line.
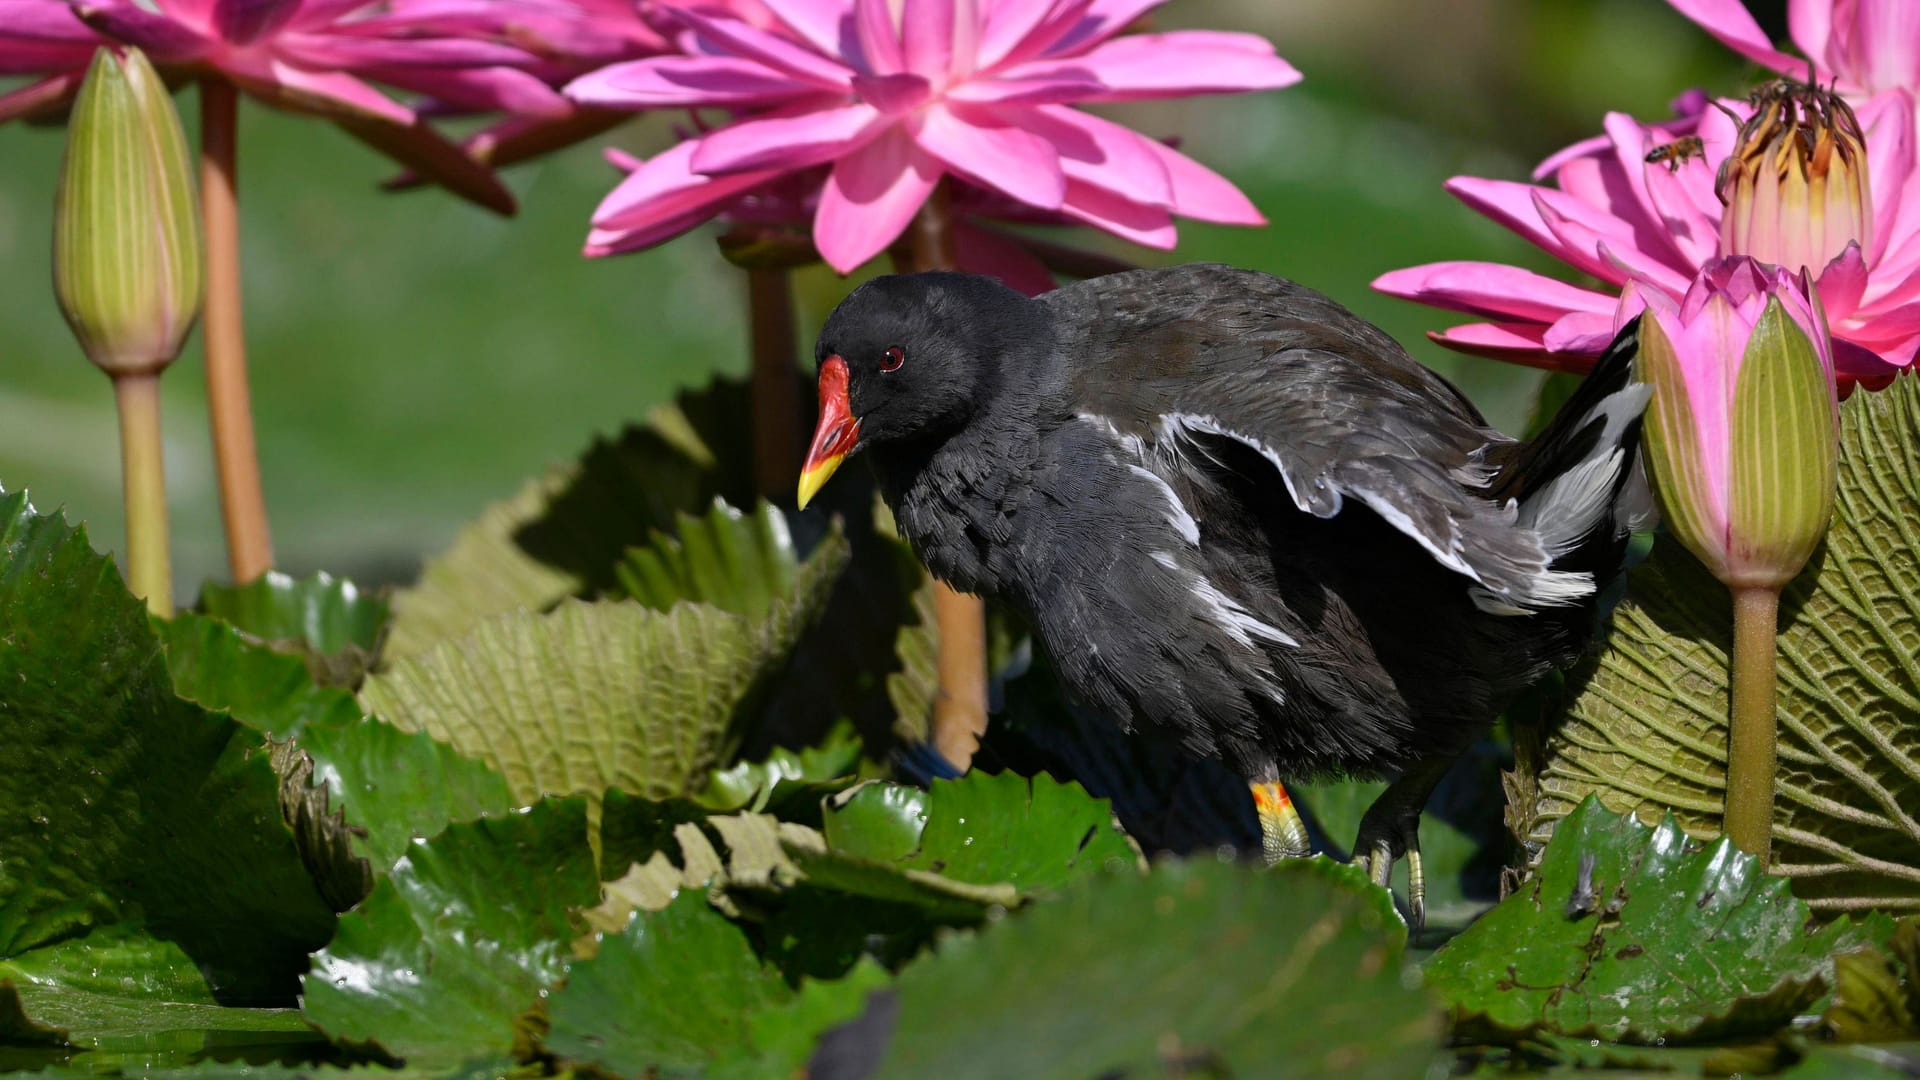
[(836, 434)]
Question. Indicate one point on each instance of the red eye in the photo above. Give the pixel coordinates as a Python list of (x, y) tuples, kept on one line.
[(894, 358)]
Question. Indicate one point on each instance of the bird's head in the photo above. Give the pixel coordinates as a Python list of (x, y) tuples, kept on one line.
[(911, 357)]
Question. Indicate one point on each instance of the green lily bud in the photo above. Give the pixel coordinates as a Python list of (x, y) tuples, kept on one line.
[(126, 234)]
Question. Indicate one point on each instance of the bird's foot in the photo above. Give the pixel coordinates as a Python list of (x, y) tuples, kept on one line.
[(1380, 844), (1283, 835), (1391, 828)]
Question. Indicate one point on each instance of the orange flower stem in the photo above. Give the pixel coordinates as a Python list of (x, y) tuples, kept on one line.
[(1752, 734), (960, 707), (242, 504), (774, 387), (144, 483)]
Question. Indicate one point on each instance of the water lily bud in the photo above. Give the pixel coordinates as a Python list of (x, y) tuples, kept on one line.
[(1796, 185), (1742, 437), (126, 233)]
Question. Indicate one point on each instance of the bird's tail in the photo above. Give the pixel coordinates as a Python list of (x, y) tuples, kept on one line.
[(1580, 484)]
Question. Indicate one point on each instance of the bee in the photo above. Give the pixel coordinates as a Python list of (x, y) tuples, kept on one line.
[(1677, 152)]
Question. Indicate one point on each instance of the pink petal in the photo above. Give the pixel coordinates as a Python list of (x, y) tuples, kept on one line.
[(1011, 25), (1519, 207), (1057, 88), (870, 197), (1515, 343), (1492, 290), (478, 89), (1146, 225), (989, 152), (161, 38), (687, 81), (1101, 20), (824, 24), (1888, 123), (38, 58), (46, 97), (893, 94), (879, 40), (1584, 332), (993, 253), (1202, 194), (1729, 21), (347, 51), (1101, 152), (1883, 45), (737, 38), (242, 22), (327, 92), (1809, 22), (42, 21), (1843, 282), (666, 187), (1143, 66), (927, 36), (786, 142)]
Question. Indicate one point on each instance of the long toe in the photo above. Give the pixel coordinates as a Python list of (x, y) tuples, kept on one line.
[(1416, 885)]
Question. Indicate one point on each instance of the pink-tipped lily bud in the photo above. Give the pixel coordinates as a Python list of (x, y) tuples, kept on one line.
[(1796, 187), (1742, 436), (126, 232)]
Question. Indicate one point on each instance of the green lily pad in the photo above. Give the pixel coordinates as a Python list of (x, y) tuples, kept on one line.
[(682, 991), (564, 534), (1647, 730), (610, 694), (84, 993), (324, 612), (1034, 834), (1892, 1061), (1200, 967), (449, 957), (742, 563), (1658, 938), (787, 783), (1876, 994), (124, 810), (355, 789)]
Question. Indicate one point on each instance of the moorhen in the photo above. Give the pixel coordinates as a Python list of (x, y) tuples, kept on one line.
[(1233, 509)]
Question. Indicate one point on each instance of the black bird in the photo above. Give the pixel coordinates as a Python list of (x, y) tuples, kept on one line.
[(1233, 509)]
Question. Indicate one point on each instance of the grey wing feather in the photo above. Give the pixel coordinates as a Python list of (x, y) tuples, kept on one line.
[(1339, 409)]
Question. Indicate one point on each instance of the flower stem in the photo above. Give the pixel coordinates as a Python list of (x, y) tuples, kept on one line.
[(1750, 742), (960, 706), (144, 482), (774, 388), (242, 504)]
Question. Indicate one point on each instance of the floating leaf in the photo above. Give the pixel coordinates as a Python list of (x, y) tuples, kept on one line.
[(682, 990), (1876, 995), (326, 621), (353, 787), (1640, 935), (1647, 731), (742, 563), (125, 811), (1202, 968), (450, 954), (788, 783), (565, 533), (601, 695)]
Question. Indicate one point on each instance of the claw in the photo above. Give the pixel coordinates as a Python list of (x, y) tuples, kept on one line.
[(1391, 828)]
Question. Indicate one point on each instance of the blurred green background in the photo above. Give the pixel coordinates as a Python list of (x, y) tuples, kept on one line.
[(414, 358)]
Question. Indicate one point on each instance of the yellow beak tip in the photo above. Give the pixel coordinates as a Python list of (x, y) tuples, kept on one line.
[(815, 478)]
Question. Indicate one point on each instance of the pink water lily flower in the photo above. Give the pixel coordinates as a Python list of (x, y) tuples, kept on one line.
[(1638, 227), (1865, 46), (318, 56), (894, 97)]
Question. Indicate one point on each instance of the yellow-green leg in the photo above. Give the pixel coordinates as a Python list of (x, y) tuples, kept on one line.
[(1283, 835)]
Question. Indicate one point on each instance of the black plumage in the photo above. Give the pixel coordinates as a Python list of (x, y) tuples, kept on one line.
[(1234, 510)]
